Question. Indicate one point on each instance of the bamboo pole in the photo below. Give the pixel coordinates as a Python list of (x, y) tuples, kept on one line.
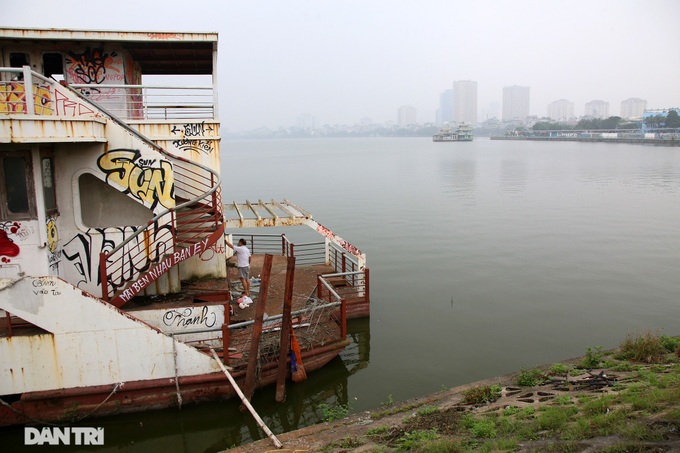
[(286, 325), (257, 418), (254, 353)]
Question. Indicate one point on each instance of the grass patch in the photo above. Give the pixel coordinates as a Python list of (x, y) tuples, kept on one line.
[(559, 369), (482, 394), (645, 348), (414, 440), (530, 378), (427, 410), (592, 359), (554, 418), (332, 413), (638, 404)]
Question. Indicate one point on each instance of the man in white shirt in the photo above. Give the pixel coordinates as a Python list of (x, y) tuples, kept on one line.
[(242, 263)]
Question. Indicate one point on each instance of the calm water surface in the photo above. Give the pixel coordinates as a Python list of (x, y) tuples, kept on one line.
[(485, 257)]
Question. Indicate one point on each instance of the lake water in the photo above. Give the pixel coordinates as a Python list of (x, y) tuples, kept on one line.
[(485, 257)]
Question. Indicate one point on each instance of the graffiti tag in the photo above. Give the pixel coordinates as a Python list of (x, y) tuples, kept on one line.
[(84, 249), (188, 317), (92, 65), (13, 99), (152, 185), (189, 130)]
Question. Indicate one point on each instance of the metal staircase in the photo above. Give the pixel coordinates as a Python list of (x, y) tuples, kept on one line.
[(192, 226), (171, 237)]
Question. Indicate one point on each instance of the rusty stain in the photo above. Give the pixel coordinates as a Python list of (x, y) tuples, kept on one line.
[(162, 35)]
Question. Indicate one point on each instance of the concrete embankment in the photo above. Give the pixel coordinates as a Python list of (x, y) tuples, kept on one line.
[(622, 406), (319, 437)]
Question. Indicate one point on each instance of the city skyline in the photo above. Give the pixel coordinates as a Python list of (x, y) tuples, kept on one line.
[(343, 61)]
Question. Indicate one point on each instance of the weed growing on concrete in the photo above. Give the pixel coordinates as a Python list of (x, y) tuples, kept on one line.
[(592, 359), (646, 348), (530, 378), (427, 410), (414, 440), (483, 394), (332, 413)]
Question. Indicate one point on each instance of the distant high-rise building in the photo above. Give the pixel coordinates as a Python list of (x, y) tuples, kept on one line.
[(633, 108), (515, 103), (597, 109), (406, 115), (465, 101), (445, 112), (561, 110), (306, 121)]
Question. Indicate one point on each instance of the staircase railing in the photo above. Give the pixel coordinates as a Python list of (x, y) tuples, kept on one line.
[(172, 235), (180, 232)]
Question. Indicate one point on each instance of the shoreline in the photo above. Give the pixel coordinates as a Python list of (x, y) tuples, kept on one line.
[(378, 430), (634, 141)]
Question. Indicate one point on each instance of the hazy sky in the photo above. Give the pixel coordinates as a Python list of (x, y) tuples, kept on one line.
[(344, 60)]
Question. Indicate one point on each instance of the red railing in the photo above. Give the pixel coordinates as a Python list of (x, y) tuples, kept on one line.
[(196, 217)]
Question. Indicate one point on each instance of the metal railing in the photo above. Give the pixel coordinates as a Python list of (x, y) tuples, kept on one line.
[(16, 99), (274, 244), (152, 102), (306, 253), (350, 287), (128, 102), (341, 260), (349, 282), (315, 325)]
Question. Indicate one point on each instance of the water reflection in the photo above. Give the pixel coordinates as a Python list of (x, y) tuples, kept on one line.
[(513, 177), (460, 179)]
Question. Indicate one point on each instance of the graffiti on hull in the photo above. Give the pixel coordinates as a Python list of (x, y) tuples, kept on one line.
[(192, 137), (13, 99), (148, 180), (84, 249), (8, 249)]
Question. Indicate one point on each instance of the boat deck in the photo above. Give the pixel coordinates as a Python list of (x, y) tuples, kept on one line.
[(214, 291)]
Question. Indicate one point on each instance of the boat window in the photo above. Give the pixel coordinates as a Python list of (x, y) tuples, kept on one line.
[(16, 181), (103, 206), (18, 60), (53, 66), (49, 191)]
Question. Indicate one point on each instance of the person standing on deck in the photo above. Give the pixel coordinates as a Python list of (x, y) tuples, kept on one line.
[(242, 263)]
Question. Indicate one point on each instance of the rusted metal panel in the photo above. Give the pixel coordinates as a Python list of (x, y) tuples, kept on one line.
[(55, 34), (91, 342), (23, 129), (138, 395)]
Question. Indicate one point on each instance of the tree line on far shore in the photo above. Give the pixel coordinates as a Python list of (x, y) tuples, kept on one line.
[(671, 121)]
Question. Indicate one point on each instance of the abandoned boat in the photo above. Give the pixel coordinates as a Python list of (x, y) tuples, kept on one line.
[(115, 290), (463, 133)]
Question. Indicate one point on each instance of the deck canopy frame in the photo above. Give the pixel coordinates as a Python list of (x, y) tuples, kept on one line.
[(158, 53)]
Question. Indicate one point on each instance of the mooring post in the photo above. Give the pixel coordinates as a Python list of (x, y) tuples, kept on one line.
[(286, 325), (253, 354)]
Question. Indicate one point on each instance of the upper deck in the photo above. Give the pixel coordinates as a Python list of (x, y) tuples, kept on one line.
[(125, 73)]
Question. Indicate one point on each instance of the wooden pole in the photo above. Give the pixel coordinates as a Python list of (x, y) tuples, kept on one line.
[(253, 354), (286, 325), (226, 335), (246, 402)]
